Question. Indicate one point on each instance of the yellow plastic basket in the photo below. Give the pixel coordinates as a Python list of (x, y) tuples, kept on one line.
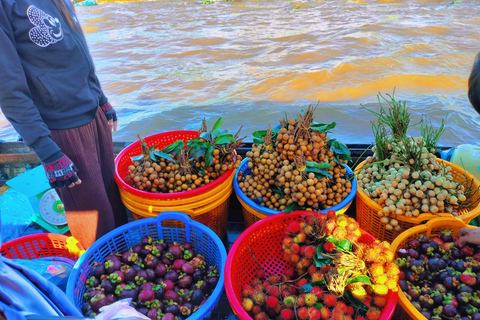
[(367, 209), (432, 228)]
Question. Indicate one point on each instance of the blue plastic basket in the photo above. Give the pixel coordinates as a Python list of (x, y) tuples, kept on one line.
[(253, 206), (202, 238)]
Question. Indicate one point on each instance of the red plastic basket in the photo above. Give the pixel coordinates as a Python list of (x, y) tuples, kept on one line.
[(261, 243), (39, 245), (163, 139)]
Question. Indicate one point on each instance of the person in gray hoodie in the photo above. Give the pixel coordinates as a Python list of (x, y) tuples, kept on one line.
[(474, 84), (53, 98)]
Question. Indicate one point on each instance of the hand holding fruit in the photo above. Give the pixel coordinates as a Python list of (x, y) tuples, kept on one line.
[(468, 235)]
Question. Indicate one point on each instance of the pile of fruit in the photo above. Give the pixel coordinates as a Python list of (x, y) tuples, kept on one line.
[(296, 167), (330, 274), (440, 279), (181, 167), (404, 177), (165, 281)]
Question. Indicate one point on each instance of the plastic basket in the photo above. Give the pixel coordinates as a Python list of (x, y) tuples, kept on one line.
[(207, 204), (367, 209), (204, 241), (253, 212), (41, 245), (432, 228), (261, 243)]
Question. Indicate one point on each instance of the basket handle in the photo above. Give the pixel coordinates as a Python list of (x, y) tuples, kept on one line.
[(175, 215), (441, 222)]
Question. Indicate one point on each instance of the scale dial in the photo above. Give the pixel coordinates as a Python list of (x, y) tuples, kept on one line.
[(51, 208)]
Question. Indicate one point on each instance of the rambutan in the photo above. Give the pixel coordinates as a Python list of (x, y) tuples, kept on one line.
[(274, 291), (295, 248), (259, 298), (310, 252), (325, 313), (392, 269), (285, 293), (352, 237), (329, 246), (289, 272), (306, 262), (329, 300), (287, 242), (352, 226), (381, 279), (376, 269), (272, 302), (310, 299), (373, 313), (289, 301), (359, 292), (301, 300), (247, 304), (287, 314), (300, 238), (391, 283), (293, 227), (259, 287), (339, 233), (312, 269), (317, 291), (372, 255), (247, 290), (274, 279), (337, 315), (341, 220), (347, 317), (260, 273), (302, 313), (313, 314), (331, 214), (380, 289), (308, 230), (388, 255), (301, 282), (256, 309), (379, 301), (261, 316), (287, 257), (340, 306), (360, 318), (350, 311), (294, 258), (317, 276), (330, 226)]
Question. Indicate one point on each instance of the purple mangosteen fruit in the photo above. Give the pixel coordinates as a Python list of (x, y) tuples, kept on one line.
[(476, 316), (188, 254), (413, 244), (449, 310), (146, 295), (86, 307), (213, 280), (146, 286), (186, 246), (403, 285), (129, 257), (130, 291), (92, 282), (412, 253), (168, 316), (446, 236), (112, 264), (456, 254), (168, 285), (108, 286), (171, 295), (159, 291), (117, 277), (98, 269), (422, 238), (172, 275), (161, 270), (91, 292), (136, 249), (427, 314), (402, 253), (146, 240), (197, 296), (98, 301), (146, 249), (172, 308), (198, 275), (178, 263), (201, 285), (176, 252), (110, 298), (198, 262), (185, 281), (153, 314), (150, 261), (141, 277), (129, 272), (143, 310), (188, 268), (186, 309), (166, 261), (151, 275)]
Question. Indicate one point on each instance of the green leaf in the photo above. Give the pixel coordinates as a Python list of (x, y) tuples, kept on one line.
[(345, 245), (318, 305), (323, 127), (320, 174), (320, 283), (361, 307), (340, 149), (197, 152), (331, 239), (293, 207), (306, 288), (195, 142), (259, 134), (170, 149), (209, 156), (363, 279), (137, 158), (206, 136), (216, 128), (276, 189), (163, 155), (319, 251), (320, 165), (322, 262), (224, 138), (257, 141)]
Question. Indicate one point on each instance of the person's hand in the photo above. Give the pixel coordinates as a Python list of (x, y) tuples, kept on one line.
[(111, 115), (61, 171), (468, 235)]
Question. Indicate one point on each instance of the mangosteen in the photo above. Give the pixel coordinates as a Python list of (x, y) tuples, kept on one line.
[(456, 254), (178, 263), (437, 255), (446, 236), (188, 254), (161, 270), (146, 249), (117, 277), (169, 316), (422, 238), (171, 295), (425, 248), (449, 310), (463, 298), (86, 307), (112, 264), (441, 264), (165, 260), (197, 296), (129, 257), (128, 272), (185, 281), (146, 286), (157, 249), (92, 282), (200, 285), (403, 285), (110, 298), (136, 249), (440, 288), (198, 262), (413, 244), (98, 269), (98, 301), (213, 280), (460, 266), (130, 291), (146, 240), (107, 286), (136, 267), (159, 291), (175, 251), (475, 316), (143, 310), (465, 288), (150, 261), (402, 253), (172, 308), (141, 277), (198, 275), (437, 298), (412, 253), (432, 265), (414, 293), (188, 268), (186, 246), (150, 275), (146, 295), (427, 314), (172, 275), (168, 285), (91, 292), (186, 309), (433, 246), (153, 314)]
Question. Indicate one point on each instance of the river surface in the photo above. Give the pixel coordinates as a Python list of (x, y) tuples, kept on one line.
[(165, 65)]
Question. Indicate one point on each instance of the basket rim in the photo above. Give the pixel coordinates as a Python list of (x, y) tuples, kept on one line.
[(237, 307), (426, 215), (164, 196), (348, 199), (212, 299)]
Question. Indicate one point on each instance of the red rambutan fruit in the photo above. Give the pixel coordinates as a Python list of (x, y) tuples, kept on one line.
[(287, 242), (310, 252), (287, 314), (289, 301), (274, 291), (259, 298), (294, 258), (331, 214), (256, 309), (301, 282), (302, 313), (310, 299), (350, 311), (247, 304), (340, 306), (289, 272), (295, 248), (328, 246), (274, 279), (306, 262), (301, 300), (317, 291), (272, 302), (312, 269), (261, 316), (260, 273), (317, 276), (373, 313), (337, 315), (325, 313), (247, 290), (313, 314), (294, 227), (329, 300), (380, 301)]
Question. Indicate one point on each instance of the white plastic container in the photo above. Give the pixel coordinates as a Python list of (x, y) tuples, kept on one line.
[(467, 156)]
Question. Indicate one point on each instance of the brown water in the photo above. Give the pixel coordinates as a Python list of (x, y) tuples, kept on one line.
[(167, 64)]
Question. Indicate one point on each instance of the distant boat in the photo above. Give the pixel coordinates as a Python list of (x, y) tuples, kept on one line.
[(86, 3)]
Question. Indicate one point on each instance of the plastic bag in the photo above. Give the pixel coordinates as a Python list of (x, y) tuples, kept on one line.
[(16, 213), (55, 269), (120, 310)]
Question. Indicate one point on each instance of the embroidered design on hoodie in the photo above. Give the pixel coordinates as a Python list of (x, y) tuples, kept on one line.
[(47, 29)]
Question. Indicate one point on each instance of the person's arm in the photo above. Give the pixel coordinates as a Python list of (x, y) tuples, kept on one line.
[(468, 235), (19, 109)]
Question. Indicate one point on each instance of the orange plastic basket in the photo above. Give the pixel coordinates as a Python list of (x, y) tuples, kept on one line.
[(367, 209), (261, 243), (41, 245), (207, 204), (432, 228)]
